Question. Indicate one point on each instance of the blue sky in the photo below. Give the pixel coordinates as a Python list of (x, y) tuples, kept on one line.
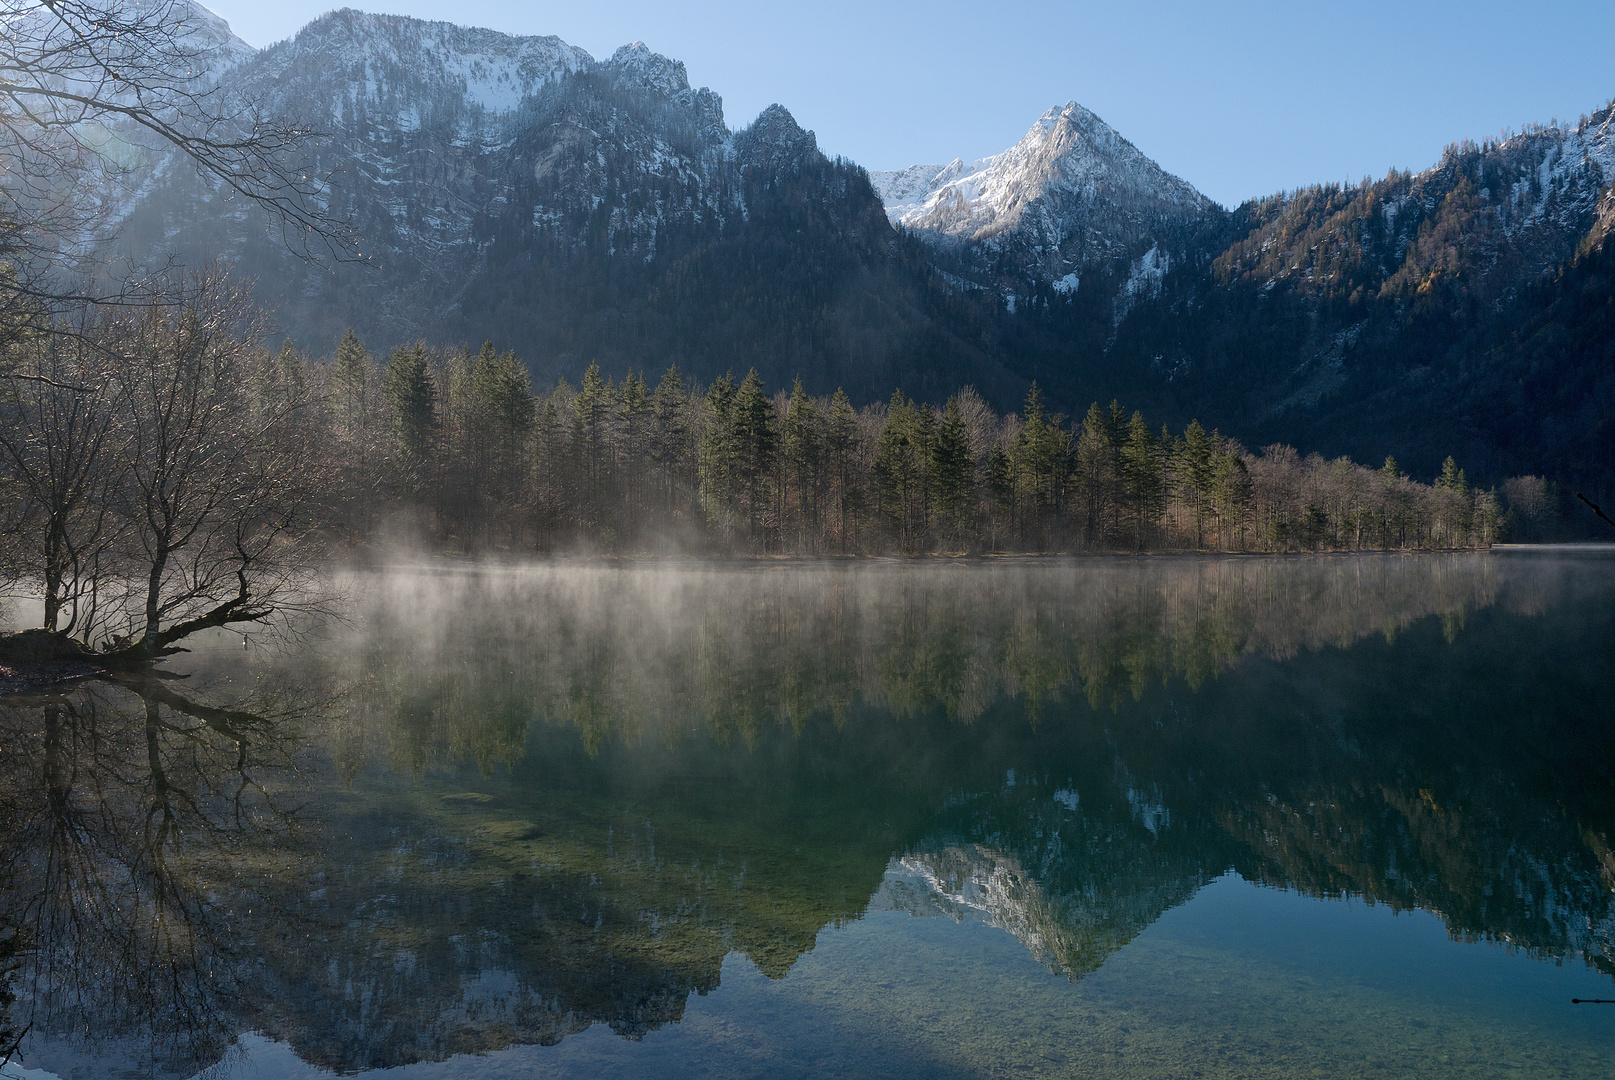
[(1241, 99)]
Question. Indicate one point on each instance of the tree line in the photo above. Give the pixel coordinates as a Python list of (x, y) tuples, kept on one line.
[(165, 472), (458, 444)]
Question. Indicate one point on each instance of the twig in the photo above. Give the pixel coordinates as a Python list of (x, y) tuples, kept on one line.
[(1596, 510)]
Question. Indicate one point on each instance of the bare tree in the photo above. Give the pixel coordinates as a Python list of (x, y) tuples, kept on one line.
[(92, 90), (222, 480), (61, 448)]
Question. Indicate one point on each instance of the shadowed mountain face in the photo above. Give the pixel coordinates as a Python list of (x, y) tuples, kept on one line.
[(503, 806), (574, 210), (515, 188)]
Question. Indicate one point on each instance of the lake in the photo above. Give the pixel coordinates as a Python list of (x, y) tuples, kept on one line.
[(1224, 817)]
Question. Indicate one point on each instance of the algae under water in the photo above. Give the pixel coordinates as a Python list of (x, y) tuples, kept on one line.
[(1334, 816)]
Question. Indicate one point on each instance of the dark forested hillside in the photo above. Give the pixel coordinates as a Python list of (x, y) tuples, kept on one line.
[(1465, 308), (582, 212)]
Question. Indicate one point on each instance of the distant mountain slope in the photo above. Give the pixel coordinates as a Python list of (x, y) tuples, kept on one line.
[(575, 210), (1071, 195), (1357, 319)]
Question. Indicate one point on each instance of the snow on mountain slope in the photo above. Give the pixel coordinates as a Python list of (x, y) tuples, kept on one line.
[(1072, 192), (205, 34), (1068, 153), (375, 60), (904, 190)]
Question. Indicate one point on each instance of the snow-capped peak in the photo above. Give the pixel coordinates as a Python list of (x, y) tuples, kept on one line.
[(1068, 152), (379, 58), (650, 69)]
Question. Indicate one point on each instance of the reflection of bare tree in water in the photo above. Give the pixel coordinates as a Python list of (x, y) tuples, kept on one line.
[(138, 829)]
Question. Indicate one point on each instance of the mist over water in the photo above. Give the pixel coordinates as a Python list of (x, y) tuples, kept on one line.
[(1128, 817)]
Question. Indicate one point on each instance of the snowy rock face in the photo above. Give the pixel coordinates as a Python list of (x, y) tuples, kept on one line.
[(449, 148), (651, 70), (1072, 192), (356, 61), (203, 33), (904, 191)]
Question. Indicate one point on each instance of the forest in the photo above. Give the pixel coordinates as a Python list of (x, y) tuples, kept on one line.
[(165, 471), (458, 445)]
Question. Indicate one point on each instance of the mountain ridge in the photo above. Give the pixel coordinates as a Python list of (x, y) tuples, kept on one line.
[(583, 210)]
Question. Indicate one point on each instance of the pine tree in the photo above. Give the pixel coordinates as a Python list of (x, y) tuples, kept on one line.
[(1096, 458), (718, 463), (350, 377), (1197, 476), (1141, 470), (411, 394), (1235, 490), (898, 457), (351, 406), (755, 447), (952, 471), (590, 447), (999, 479), (840, 435), (802, 436)]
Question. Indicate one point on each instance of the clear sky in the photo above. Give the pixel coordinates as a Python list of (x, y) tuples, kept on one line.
[(1240, 98)]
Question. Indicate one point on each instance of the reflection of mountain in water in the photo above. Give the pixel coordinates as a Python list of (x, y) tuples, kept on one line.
[(567, 806), (1072, 934)]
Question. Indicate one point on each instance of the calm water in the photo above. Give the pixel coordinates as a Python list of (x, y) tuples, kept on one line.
[(1344, 816)]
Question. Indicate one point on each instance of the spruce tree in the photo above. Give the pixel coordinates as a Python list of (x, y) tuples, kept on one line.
[(1197, 475), (411, 395), (840, 438), (1141, 471), (802, 436), (590, 446), (1096, 458), (897, 471), (952, 471), (718, 464), (671, 449), (755, 447), (350, 377)]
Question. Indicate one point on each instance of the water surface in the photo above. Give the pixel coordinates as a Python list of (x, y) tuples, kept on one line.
[(1335, 816)]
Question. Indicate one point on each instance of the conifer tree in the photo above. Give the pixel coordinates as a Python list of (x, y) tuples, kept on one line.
[(718, 446), (840, 434), (952, 471), (1141, 470), (411, 394), (897, 471), (1234, 490), (999, 480), (633, 438), (672, 442), (1096, 458), (802, 436), (1198, 472), (755, 447), (350, 377), (590, 446)]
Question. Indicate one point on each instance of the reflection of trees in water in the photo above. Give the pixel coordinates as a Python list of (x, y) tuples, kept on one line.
[(136, 833), (625, 654), (733, 761)]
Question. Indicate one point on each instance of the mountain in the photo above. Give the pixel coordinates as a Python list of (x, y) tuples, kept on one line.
[(1070, 197), (575, 210), (1393, 317), (579, 210)]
